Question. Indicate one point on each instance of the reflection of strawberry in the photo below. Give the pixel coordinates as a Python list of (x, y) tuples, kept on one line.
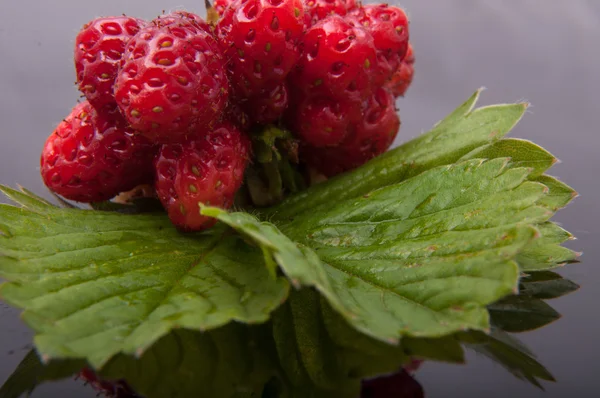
[(397, 385), (117, 389)]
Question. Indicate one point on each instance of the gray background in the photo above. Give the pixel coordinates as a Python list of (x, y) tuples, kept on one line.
[(543, 51)]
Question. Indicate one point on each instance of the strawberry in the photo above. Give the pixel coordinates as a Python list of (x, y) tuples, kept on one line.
[(316, 10), (206, 169), (338, 60), (92, 157), (172, 82), (389, 27), (180, 18), (221, 5), (99, 47), (322, 121), (403, 77), (370, 137), (260, 41), (268, 105)]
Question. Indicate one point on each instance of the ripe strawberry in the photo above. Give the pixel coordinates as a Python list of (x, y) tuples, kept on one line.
[(322, 121), (99, 47), (368, 138), (389, 27), (221, 5), (337, 61), (236, 115), (316, 10), (268, 105), (402, 78), (208, 169), (172, 82), (180, 18), (260, 41), (92, 157)]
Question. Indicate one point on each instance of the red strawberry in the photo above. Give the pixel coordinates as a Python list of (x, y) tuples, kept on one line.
[(260, 41), (173, 81), (182, 18), (207, 169), (322, 121), (92, 157), (337, 61), (99, 47), (221, 5), (236, 115), (316, 10), (370, 137), (402, 78), (268, 105), (389, 27)]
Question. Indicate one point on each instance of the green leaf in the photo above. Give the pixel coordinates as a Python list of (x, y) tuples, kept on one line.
[(504, 349), (559, 195), (97, 283), (458, 134), (300, 264), (425, 256), (522, 153), (517, 314), (546, 285), (546, 253)]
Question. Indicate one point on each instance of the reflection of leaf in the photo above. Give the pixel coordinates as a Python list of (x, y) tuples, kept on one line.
[(306, 350), (546, 285), (510, 353), (520, 314), (32, 372), (97, 283)]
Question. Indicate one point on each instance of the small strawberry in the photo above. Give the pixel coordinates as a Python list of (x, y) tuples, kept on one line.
[(207, 169), (180, 18), (260, 41), (268, 105), (172, 82), (92, 157), (322, 121), (403, 77), (338, 60), (316, 10), (389, 27), (368, 138), (236, 115), (99, 47), (221, 5)]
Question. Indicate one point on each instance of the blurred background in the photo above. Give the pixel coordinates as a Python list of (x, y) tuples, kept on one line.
[(545, 52)]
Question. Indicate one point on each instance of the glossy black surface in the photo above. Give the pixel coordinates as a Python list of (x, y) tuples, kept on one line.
[(543, 51)]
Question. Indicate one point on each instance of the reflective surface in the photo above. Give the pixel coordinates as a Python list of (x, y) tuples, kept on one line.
[(543, 51)]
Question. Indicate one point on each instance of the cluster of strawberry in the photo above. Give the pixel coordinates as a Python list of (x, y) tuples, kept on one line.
[(172, 102)]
